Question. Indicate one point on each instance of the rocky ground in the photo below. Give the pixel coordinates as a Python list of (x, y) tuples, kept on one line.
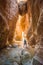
[(15, 56)]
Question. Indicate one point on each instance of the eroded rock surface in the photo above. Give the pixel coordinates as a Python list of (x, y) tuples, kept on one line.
[(15, 56), (9, 10)]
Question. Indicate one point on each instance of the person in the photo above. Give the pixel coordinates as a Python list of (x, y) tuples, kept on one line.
[(25, 43)]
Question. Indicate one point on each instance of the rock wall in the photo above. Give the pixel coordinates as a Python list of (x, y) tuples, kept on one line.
[(35, 7), (9, 10), (39, 27)]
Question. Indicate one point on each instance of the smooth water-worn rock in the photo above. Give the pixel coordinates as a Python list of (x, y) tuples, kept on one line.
[(14, 56), (15, 63)]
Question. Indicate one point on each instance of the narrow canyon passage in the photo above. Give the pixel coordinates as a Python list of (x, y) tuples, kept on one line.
[(21, 32)]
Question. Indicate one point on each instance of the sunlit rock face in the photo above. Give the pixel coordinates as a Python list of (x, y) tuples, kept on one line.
[(22, 26), (21, 0), (24, 22), (9, 9), (29, 6)]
